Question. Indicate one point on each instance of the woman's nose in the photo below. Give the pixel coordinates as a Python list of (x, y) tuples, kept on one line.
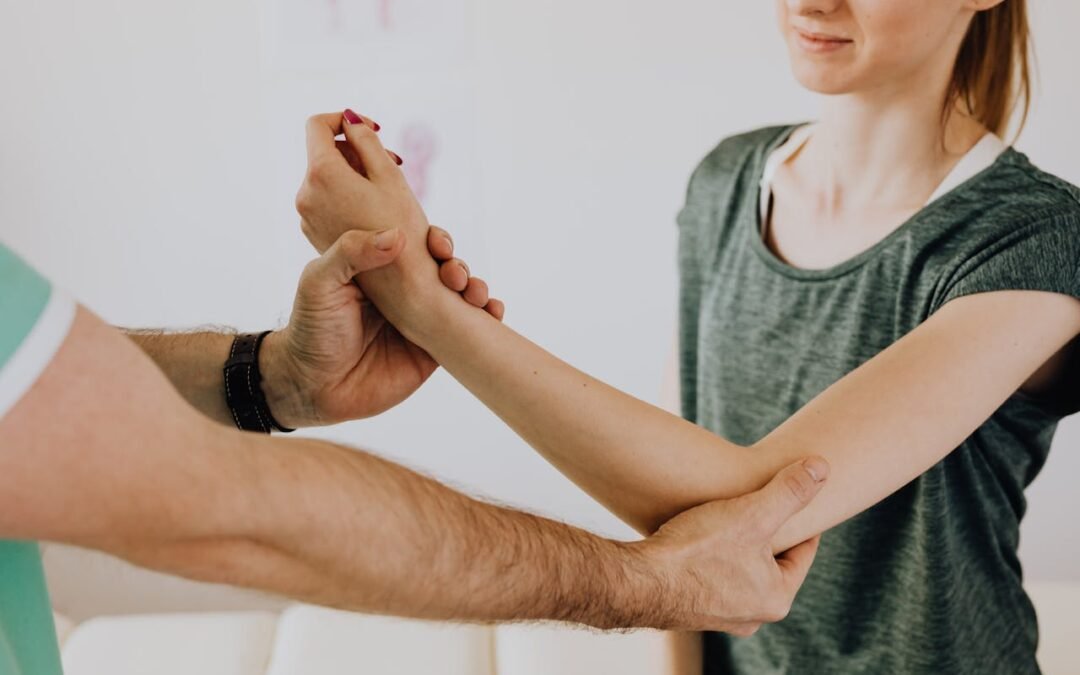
[(813, 7)]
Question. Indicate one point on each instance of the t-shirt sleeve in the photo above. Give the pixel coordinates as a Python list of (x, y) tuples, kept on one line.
[(35, 319), (1040, 256)]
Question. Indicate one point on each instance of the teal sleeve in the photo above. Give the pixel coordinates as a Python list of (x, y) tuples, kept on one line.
[(23, 296)]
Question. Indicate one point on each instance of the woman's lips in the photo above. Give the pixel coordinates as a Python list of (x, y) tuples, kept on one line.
[(818, 43)]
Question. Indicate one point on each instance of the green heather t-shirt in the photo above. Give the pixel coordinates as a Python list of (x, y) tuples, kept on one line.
[(33, 322), (928, 580)]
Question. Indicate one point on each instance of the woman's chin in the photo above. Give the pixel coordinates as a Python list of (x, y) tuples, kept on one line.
[(822, 80)]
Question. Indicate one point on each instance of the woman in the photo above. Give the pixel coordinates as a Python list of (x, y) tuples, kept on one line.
[(890, 287)]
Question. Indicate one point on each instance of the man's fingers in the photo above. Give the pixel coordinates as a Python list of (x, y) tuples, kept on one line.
[(454, 275), (365, 142), (496, 308), (789, 492), (355, 252), (476, 293), (795, 563), (440, 244)]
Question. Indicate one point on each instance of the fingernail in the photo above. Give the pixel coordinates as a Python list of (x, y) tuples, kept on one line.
[(384, 241), (817, 468), (375, 125), (352, 118), (397, 158)]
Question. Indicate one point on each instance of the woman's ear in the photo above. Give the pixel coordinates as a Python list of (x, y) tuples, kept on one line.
[(981, 5)]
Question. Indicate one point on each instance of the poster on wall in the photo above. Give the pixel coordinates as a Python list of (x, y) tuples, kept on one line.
[(358, 34), (400, 62)]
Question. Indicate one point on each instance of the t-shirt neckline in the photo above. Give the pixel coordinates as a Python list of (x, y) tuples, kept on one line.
[(754, 221)]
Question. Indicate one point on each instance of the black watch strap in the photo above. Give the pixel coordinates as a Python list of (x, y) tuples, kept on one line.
[(243, 386)]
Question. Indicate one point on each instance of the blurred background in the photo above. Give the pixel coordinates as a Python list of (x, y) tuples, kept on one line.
[(144, 144)]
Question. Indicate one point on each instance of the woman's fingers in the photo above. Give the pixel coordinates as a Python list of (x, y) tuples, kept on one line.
[(321, 131), (354, 160), (353, 117), (378, 163), (351, 157)]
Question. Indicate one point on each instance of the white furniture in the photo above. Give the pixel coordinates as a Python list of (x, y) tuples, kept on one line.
[(302, 640), (314, 641)]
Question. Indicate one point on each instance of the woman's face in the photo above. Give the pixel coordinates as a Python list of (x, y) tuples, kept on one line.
[(848, 46)]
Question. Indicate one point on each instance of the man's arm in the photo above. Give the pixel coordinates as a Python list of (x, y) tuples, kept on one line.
[(193, 363), (134, 471)]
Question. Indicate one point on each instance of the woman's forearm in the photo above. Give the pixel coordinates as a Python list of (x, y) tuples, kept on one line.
[(644, 464), (641, 462)]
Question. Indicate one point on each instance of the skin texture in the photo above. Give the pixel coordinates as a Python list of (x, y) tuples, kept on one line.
[(136, 471), (878, 151)]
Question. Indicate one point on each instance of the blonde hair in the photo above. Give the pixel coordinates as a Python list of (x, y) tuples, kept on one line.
[(992, 75)]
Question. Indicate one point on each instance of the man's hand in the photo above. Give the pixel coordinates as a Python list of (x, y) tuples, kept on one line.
[(722, 573), (339, 359)]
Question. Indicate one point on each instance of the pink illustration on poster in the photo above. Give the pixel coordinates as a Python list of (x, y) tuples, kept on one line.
[(420, 144), (309, 34)]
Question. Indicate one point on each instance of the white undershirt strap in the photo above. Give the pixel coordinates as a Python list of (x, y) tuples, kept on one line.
[(980, 157)]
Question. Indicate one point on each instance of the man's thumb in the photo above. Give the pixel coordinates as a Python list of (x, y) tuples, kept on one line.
[(359, 251), (354, 252), (789, 492)]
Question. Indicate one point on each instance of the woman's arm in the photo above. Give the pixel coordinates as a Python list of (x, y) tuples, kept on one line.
[(949, 374), (644, 464)]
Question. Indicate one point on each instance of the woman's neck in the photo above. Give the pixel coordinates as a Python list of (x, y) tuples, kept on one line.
[(885, 149)]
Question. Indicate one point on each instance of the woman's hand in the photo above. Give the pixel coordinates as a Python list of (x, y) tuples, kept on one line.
[(356, 185), (353, 185)]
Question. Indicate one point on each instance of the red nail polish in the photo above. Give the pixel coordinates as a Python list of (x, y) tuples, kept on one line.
[(375, 125), (398, 159), (352, 118)]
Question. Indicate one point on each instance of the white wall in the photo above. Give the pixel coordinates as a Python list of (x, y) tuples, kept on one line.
[(142, 144)]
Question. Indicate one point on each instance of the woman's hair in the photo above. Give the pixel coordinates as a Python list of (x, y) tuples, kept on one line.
[(992, 76)]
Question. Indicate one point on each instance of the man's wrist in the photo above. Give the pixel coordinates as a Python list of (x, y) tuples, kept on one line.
[(285, 395), (645, 597), (616, 585)]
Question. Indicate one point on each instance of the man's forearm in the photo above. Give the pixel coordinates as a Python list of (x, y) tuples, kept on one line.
[(193, 363), (342, 528)]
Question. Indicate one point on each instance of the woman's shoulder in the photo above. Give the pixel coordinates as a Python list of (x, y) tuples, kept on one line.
[(1018, 191), (739, 151)]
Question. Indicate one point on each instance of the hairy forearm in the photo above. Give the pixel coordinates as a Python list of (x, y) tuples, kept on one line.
[(193, 362), (343, 528)]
